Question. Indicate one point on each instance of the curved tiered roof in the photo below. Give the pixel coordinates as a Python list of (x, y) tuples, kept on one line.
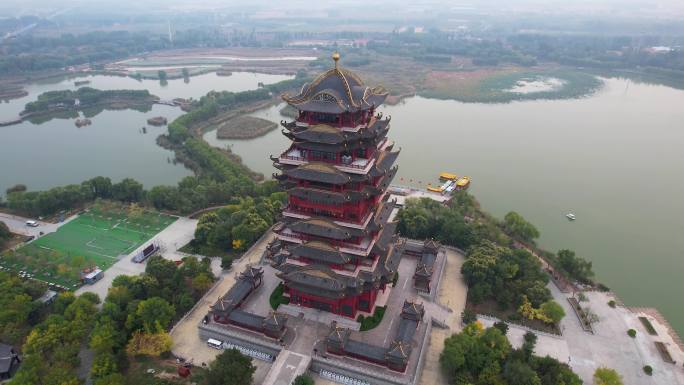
[(335, 91)]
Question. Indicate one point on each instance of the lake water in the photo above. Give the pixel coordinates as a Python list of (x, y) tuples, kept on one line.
[(615, 159), (57, 152)]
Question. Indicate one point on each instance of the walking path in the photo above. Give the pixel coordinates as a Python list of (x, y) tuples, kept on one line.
[(452, 294)]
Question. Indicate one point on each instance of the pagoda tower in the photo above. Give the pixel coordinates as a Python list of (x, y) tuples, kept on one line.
[(335, 248)]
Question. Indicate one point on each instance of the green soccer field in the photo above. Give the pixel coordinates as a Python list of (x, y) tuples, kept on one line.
[(95, 238)]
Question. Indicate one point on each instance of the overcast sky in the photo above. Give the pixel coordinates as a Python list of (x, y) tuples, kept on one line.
[(634, 8)]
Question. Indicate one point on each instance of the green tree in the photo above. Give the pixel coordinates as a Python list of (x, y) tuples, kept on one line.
[(520, 373), (201, 283), (226, 262), (162, 270), (578, 268), (230, 368), (152, 315), (517, 226), (474, 352), (501, 326), (100, 186), (5, 233), (553, 310), (205, 227), (164, 197), (553, 372), (468, 316), (303, 379), (128, 190), (607, 376), (529, 342)]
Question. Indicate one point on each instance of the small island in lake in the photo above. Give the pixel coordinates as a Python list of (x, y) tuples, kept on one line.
[(83, 122), (157, 121), (244, 127)]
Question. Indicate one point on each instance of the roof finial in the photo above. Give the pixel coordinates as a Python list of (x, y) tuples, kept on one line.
[(336, 58)]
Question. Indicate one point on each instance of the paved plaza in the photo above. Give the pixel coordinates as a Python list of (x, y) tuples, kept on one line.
[(609, 346)]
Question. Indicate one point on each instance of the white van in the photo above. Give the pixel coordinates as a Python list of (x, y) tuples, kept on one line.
[(216, 344), (32, 223)]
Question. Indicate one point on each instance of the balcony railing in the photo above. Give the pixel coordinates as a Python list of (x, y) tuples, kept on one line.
[(297, 156)]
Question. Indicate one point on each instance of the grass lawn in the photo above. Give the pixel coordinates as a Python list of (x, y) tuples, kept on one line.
[(98, 237)]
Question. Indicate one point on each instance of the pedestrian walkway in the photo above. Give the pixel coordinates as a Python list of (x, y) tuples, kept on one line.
[(286, 368)]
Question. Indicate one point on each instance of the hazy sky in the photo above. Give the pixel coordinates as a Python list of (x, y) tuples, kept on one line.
[(589, 7)]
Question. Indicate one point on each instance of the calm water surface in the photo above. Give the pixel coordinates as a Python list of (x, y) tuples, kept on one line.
[(615, 159), (57, 152)]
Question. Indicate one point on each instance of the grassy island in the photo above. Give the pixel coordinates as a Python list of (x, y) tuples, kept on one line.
[(244, 127)]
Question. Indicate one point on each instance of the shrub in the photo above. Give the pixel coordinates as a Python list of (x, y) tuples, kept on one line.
[(553, 311), (368, 323), (277, 298), (468, 316), (631, 333), (501, 326), (582, 297), (395, 279), (648, 370), (303, 379), (607, 376), (515, 317), (226, 262), (611, 303)]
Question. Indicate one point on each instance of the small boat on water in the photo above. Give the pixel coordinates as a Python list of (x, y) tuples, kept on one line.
[(448, 176), (463, 183), (570, 216)]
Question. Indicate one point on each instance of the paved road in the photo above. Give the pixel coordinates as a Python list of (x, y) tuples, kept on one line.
[(17, 225)]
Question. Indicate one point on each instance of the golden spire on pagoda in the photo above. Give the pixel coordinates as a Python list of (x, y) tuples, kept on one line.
[(336, 58)]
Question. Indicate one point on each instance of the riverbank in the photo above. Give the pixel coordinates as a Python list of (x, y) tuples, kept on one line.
[(8, 92)]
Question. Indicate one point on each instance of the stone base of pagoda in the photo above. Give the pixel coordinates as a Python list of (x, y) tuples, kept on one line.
[(346, 307)]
